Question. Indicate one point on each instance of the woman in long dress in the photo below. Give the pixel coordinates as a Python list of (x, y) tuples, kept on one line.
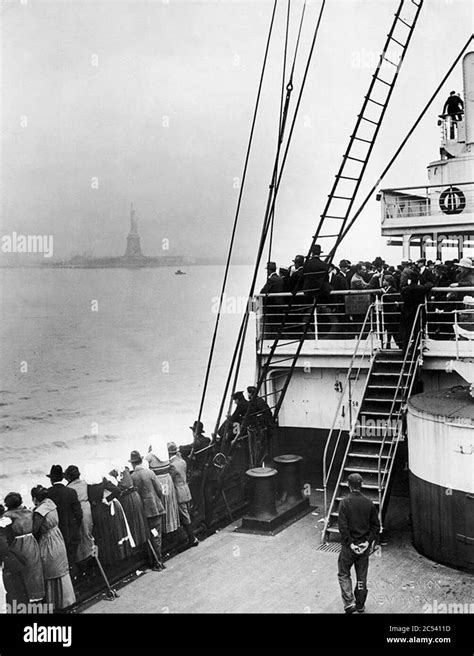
[(86, 544), (132, 505), (111, 531), (58, 584), (24, 547), (158, 461)]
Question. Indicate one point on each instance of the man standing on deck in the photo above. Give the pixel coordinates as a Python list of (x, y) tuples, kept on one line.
[(69, 513), (151, 494), (358, 525), (183, 493)]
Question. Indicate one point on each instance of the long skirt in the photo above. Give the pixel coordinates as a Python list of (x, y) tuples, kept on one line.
[(59, 592), (110, 532), (133, 509), (27, 550), (14, 580), (171, 518)]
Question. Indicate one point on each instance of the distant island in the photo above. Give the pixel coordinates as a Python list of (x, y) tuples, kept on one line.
[(133, 257)]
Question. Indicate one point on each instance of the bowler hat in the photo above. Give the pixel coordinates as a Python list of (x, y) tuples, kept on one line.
[(299, 258), (197, 425), (56, 472), (135, 457)]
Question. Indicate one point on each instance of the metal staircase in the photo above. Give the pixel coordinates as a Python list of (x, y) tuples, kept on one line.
[(377, 429)]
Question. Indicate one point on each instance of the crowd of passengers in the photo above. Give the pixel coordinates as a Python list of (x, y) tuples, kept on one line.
[(402, 289), (83, 523)]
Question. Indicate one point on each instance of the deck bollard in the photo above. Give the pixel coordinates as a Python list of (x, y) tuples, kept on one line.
[(289, 477), (262, 493)]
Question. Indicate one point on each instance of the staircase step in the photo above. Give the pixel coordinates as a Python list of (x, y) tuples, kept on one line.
[(368, 486), (370, 440), (364, 470), (374, 499), (366, 455)]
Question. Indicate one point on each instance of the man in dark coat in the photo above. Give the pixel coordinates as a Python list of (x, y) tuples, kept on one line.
[(315, 273), (275, 283), (149, 489), (259, 410), (274, 305), (358, 525), (69, 512), (454, 106)]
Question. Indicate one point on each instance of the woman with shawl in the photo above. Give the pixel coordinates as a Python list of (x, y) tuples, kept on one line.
[(110, 527), (132, 504)]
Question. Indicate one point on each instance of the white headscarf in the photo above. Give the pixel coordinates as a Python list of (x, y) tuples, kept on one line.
[(159, 447)]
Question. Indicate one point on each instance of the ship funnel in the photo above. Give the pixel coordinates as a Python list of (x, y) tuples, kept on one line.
[(468, 74)]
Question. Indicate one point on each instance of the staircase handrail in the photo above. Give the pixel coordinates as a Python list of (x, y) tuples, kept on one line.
[(327, 472), (403, 387)]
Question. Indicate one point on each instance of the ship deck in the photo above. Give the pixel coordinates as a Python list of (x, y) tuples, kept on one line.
[(242, 573)]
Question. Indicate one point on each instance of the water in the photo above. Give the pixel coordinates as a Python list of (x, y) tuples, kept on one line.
[(94, 361)]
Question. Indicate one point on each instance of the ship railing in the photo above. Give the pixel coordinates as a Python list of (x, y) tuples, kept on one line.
[(445, 308), (463, 328), (428, 200), (394, 426), (339, 319), (364, 349)]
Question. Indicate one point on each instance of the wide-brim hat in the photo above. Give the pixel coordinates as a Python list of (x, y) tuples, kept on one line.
[(135, 457), (56, 471), (271, 266), (465, 262)]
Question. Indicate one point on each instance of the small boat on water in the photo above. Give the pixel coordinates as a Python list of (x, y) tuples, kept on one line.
[(179, 273)]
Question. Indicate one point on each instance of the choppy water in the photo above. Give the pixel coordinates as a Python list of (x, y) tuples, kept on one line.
[(80, 385)]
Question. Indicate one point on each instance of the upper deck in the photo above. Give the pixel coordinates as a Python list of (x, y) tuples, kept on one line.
[(335, 328)]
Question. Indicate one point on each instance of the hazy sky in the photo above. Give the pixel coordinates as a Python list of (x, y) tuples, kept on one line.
[(155, 99)]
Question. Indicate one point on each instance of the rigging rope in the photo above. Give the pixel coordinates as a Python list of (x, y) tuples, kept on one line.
[(402, 145), (237, 212), (282, 95), (270, 208)]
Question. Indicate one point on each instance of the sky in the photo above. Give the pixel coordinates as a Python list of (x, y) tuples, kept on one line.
[(108, 103)]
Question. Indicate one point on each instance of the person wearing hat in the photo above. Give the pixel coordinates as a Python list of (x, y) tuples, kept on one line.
[(453, 107), (359, 526), (315, 282), (465, 275), (275, 283), (183, 494), (69, 512), (200, 441), (295, 280), (149, 489), (159, 463), (424, 273), (86, 539)]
